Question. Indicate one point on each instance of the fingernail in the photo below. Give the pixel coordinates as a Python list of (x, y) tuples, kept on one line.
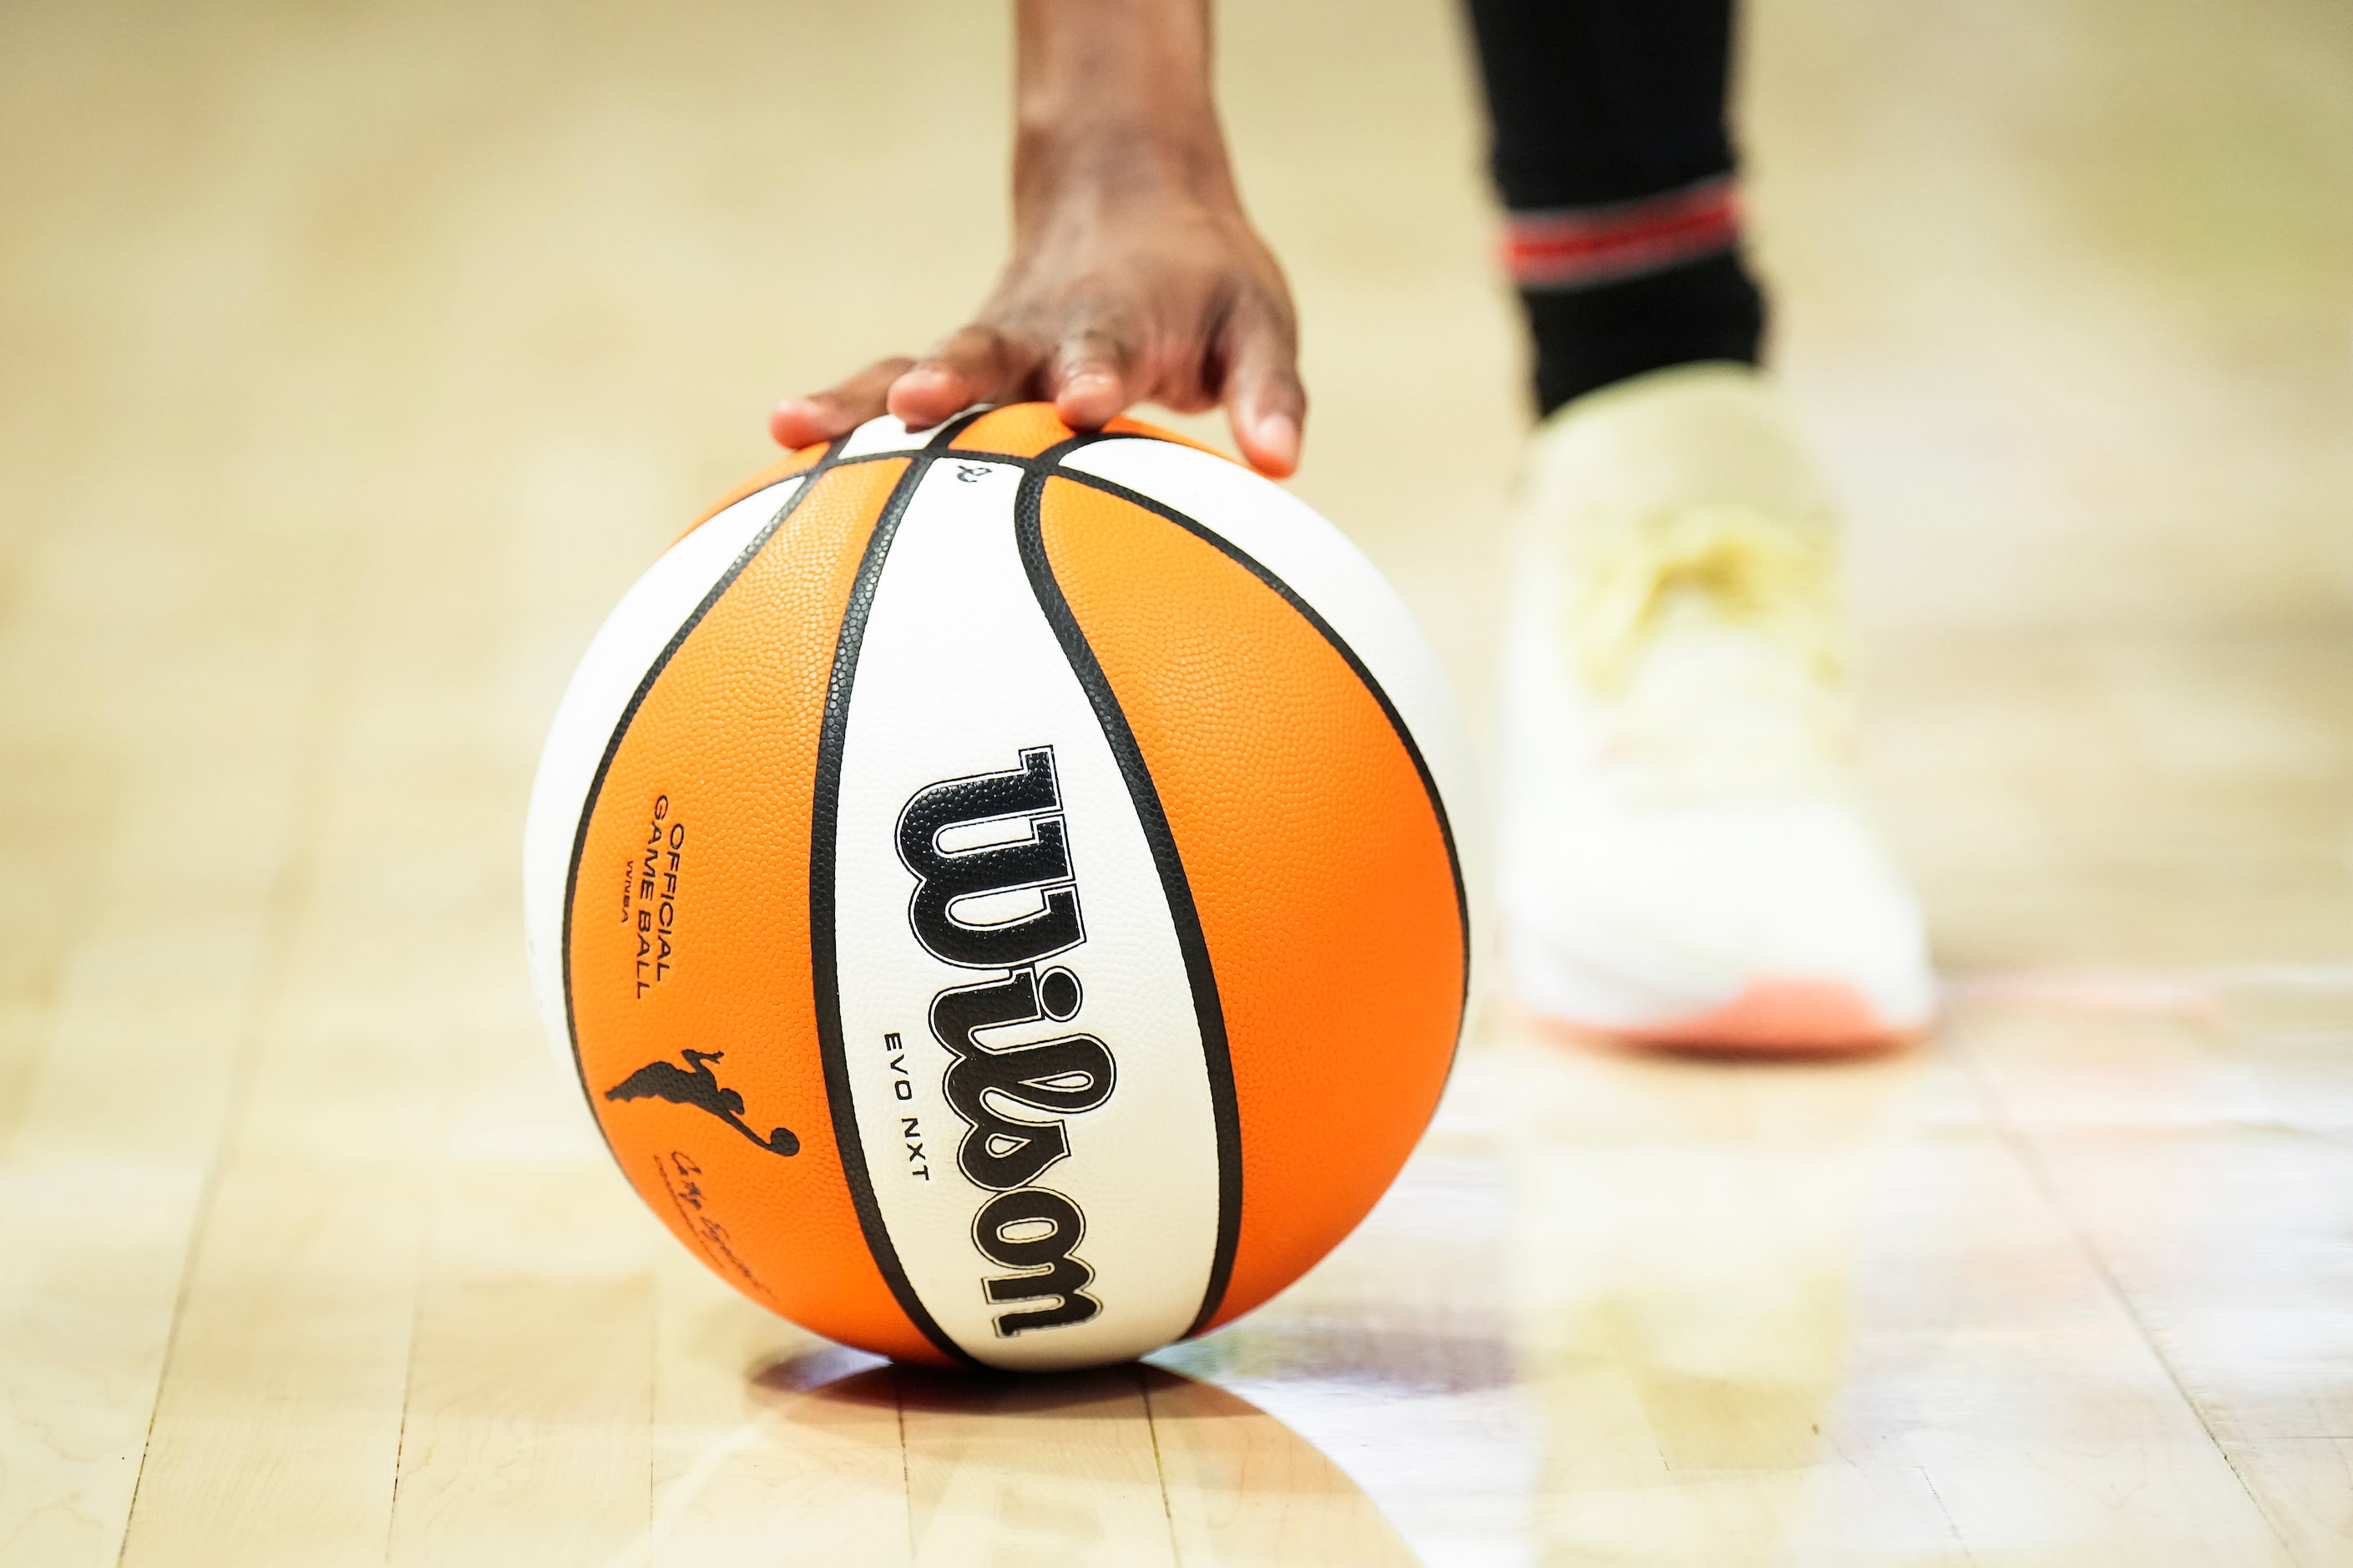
[(786, 419), (1279, 435)]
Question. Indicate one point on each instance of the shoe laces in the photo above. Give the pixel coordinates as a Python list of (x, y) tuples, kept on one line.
[(1751, 568), (1762, 707)]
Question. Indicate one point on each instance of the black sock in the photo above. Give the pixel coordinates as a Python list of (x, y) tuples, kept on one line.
[(1612, 157), (1587, 338)]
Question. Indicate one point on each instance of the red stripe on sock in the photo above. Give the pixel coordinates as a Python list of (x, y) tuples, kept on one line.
[(1575, 248)]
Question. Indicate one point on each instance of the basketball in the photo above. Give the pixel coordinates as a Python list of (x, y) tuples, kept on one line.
[(998, 890)]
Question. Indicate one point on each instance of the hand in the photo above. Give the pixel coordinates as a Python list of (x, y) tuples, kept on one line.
[(1121, 298), (1134, 276)]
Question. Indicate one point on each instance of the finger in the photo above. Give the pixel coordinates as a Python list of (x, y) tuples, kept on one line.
[(1092, 384), (837, 411), (1265, 401), (976, 364)]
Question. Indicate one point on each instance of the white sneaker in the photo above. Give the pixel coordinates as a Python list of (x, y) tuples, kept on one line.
[(1686, 861)]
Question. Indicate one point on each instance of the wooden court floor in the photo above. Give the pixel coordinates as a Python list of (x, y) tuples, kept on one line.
[(357, 357)]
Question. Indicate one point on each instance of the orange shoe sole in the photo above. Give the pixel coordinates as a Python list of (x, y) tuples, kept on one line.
[(1771, 1018)]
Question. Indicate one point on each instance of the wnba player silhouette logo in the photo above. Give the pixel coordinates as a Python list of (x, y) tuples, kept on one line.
[(696, 1085)]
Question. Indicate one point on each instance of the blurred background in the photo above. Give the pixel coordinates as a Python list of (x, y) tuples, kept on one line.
[(358, 356), (304, 301)]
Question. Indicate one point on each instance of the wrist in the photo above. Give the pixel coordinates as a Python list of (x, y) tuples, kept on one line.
[(1148, 162), (1114, 94)]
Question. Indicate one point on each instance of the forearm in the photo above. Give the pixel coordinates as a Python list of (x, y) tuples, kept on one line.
[(1115, 94)]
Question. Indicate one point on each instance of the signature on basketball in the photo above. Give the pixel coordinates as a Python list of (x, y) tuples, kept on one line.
[(684, 1177), (696, 1085)]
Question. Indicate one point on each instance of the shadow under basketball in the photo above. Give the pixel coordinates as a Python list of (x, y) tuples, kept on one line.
[(1139, 1463)]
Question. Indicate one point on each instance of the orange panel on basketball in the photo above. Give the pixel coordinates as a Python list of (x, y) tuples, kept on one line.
[(1317, 861), (690, 926), (783, 467), (1026, 429), (1023, 430), (1126, 426)]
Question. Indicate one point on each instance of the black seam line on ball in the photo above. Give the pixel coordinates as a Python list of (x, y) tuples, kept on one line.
[(1200, 975), (947, 433), (1048, 463), (824, 955), (1397, 721), (935, 446), (807, 478), (1330, 634)]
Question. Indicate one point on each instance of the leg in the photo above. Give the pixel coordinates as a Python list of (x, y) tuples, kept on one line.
[(1616, 169), (1687, 863)]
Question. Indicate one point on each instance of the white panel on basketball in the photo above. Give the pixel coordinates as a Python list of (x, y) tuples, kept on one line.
[(1288, 538), (625, 648), (958, 674), (884, 435)]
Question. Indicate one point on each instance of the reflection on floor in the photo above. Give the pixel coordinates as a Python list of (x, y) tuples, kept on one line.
[(2052, 1292), (2067, 1288)]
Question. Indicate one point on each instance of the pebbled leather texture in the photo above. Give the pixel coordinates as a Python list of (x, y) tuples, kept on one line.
[(727, 739), (1316, 860)]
